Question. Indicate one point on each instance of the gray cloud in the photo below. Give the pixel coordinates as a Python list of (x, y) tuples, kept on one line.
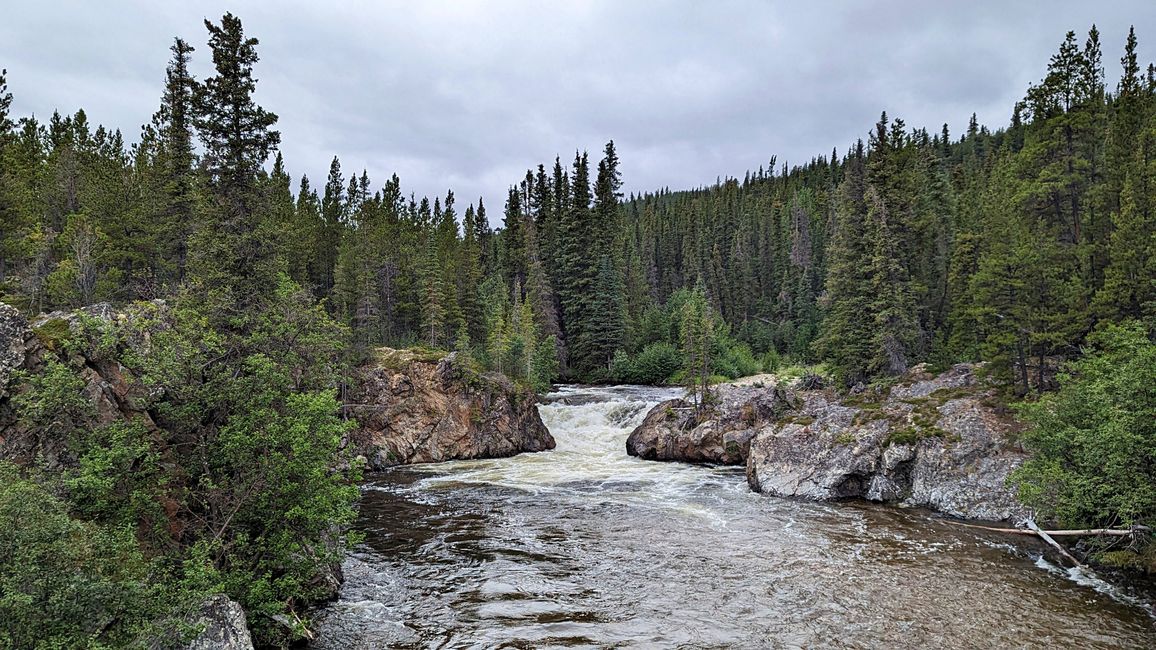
[(467, 95)]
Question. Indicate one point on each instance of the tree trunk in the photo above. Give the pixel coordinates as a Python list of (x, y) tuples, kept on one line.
[(1023, 364)]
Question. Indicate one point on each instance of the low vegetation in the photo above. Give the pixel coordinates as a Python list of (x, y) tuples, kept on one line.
[(1093, 442)]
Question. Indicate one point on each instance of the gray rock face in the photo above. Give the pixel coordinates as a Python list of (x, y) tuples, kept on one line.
[(419, 410), (932, 442), (13, 330), (225, 626), (673, 432)]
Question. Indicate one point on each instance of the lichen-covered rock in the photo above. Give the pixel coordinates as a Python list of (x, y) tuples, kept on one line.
[(27, 347), (224, 626), (673, 431), (13, 332), (415, 408), (932, 441)]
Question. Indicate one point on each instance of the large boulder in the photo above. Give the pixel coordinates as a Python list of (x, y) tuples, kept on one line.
[(13, 333), (223, 626), (418, 407), (936, 442), (675, 431)]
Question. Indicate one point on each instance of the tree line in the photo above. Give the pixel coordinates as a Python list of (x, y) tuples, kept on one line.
[(1015, 246), (1009, 245)]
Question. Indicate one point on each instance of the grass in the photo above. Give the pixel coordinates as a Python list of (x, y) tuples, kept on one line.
[(923, 424), (796, 370)]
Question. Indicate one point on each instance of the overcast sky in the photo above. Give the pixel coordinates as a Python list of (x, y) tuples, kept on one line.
[(467, 95)]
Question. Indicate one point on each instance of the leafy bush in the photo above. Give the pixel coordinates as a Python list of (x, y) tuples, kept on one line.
[(737, 361), (622, 367), (66, 583), (656, 363), (242, 486), (54, 402), (1094, 441), (771, 361)]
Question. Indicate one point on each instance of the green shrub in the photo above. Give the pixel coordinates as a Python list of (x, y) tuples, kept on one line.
[(738, 361), (771, 361), (656, 363), (66, 583), (622, 367), (54, 402), (1094, 441)]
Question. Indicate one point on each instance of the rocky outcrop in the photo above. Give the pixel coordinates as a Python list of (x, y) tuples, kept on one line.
[(414, 407), (13, 332), (674, 431), (26, 349), (939, 442), (411, 407), (936, 442), (223, 626)]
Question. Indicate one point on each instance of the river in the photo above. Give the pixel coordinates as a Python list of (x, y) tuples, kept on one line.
[(585, 547)]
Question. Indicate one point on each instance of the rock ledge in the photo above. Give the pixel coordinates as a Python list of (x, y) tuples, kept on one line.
[(416, 407)]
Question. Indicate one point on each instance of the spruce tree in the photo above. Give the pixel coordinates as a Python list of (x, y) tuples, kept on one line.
[(514, 240), (892, 307), (176, 159), (696, 329), (233, 263), (847, 325)]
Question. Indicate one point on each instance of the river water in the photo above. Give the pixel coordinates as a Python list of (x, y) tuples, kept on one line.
[(586, 547)]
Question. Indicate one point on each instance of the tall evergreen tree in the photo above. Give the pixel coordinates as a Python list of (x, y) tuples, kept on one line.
[(174, 126), (234, 262)]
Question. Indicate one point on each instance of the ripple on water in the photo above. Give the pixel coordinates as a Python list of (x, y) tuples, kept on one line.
[(584, 546)]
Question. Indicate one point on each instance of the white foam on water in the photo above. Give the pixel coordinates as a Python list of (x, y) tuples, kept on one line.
[(590, 427)]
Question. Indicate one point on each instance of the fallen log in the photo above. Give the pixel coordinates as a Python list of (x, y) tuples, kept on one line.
[(1056, 545), (1078, 532)]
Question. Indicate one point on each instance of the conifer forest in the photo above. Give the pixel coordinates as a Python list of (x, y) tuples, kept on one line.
[(1010, 243), (253, 291)]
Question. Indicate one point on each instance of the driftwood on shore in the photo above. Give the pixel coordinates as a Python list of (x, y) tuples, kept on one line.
[(1049, 535), (1054, 544), (1078, 532)]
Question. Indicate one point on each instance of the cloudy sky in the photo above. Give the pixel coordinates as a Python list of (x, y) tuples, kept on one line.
[(468, 94)]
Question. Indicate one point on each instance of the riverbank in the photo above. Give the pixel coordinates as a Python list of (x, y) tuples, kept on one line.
[(586, 546)]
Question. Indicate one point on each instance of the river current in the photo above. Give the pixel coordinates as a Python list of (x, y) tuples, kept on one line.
[(586, 547)]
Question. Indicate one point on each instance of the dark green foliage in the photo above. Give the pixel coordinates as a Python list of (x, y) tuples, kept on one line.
[(696, 330), (233, 263), (65, 582), (655, 364), (1094, 440)]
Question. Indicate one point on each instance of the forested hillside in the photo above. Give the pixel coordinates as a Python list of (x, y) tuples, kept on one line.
[(1018, 245), (1009, 245)]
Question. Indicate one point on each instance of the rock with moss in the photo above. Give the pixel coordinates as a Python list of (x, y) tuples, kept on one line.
[(67, 341), (935, 441), (421, 406)]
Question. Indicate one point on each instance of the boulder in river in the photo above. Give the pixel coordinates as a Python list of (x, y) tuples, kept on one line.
[(673, 431), (938, 442), (419, 407)]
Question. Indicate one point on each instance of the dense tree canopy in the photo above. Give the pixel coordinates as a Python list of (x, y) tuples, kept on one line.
[(1016, 245)]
